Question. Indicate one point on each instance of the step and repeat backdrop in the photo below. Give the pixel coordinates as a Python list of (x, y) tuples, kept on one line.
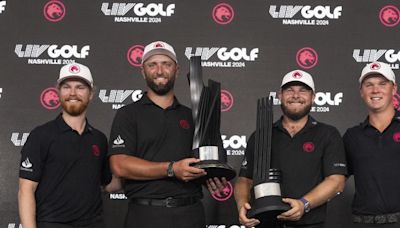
[(248, 46)]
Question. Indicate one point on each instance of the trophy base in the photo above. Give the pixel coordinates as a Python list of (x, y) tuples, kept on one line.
[(267, 208), (215, 169)]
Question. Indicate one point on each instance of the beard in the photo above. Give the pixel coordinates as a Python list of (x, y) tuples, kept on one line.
[(160, 89), (74, 109), (295, 115)]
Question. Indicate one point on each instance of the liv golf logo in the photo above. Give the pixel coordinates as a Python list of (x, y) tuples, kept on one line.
[(2, 6), (223, 56), (390, 56), (137, 12), (51, 53), (305, 15)]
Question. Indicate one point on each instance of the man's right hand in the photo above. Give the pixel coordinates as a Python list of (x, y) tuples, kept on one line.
[(185, 172), (247, 222)]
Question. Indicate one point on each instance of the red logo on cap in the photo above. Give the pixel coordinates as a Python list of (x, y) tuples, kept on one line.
[(308, 147), (226, 100), (74, 69), (184, 124), (375, 66), (396, 136), (389, 16), (307, 58), (297, 75), (135, 54), (223, 13), (159, 45), (54, 11), (49, 98), (227, 192)]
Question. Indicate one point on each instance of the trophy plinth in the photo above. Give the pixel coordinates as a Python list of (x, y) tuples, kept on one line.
[(210, 162), (268, 200), (206, 110)]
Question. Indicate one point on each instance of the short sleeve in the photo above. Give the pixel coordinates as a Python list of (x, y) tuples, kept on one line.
[(123, 138), (334, 158), (31, 158)]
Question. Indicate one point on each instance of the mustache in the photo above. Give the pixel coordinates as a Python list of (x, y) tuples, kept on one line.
[(73, 98)]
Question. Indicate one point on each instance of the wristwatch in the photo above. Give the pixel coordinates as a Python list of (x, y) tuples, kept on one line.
[(170, 170), (307, 206)]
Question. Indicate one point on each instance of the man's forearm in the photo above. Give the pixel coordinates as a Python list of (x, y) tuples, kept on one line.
[(136, 168), (242, 191), (27, 207), (327, 189)]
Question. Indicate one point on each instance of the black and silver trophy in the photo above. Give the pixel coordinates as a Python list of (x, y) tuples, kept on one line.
[(267, 203), (206, 110)]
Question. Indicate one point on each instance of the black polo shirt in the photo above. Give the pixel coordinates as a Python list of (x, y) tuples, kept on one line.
[(374, 160), (145, 130), (314, 153), (69, 169)]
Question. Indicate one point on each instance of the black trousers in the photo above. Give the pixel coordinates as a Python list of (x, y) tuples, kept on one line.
[(142, 216), (99, 224)]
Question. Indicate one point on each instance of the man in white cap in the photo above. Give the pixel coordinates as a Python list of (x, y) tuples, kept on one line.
[(150, 147), (373, 151), (64, 162), (310, 155)]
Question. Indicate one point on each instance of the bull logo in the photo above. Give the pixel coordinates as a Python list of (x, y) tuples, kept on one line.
[(54, 11), (375, 66), (227, 192), (223, 13), (135, 54), (396, 101), (49, 98), (396, 137), (308, 147), (389, 16), (74, 69), (226, 100), (307, 58), (297, 75)]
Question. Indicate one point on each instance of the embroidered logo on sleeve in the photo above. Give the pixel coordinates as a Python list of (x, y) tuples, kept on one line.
[(118, 142), (26, 165)]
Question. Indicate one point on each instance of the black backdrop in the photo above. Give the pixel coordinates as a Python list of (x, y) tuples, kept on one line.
[(246, 45)]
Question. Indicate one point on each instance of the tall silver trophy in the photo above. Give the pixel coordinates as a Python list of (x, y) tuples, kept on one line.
[(206, 110), (267, 203)]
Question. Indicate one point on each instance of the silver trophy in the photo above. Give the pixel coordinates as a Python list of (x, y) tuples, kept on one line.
[(267, 203), (206, 110)]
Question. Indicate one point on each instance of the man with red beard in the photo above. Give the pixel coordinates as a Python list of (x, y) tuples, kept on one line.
[(64, 162), (150, 147), (309, 154), (373, 151)]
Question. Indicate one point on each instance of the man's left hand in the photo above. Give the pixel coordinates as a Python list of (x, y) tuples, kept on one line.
[(296, 211)]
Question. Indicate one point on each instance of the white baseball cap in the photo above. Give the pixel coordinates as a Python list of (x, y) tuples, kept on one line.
[(299, 76), (158, 48), (376, 67), (75, 70)]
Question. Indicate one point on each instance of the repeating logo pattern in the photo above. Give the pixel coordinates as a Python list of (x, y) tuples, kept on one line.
[(226, 100), (223, 13), (135, 54), (49, 98), (389, 16), (54, 11), (307, 58)]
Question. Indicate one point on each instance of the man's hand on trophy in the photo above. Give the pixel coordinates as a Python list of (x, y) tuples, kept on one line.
[(247, 222), (184, 170), (296, 211), (216, 186)]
